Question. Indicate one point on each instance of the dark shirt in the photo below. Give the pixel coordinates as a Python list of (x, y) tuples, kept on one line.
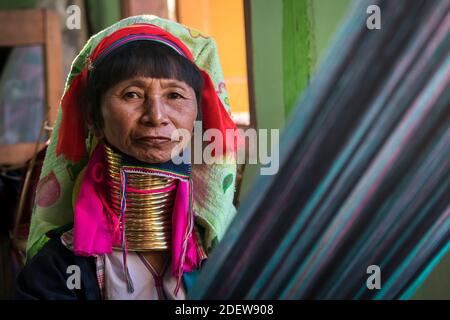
[(45, 275)]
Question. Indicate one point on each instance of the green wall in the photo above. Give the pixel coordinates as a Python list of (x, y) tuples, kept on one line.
[(327, 15), (289, 37), (102, 13), (298, 53), (437, 284), (267, 34), (18, 4)]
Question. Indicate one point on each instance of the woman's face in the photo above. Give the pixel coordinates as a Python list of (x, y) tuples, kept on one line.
[(141, 114)]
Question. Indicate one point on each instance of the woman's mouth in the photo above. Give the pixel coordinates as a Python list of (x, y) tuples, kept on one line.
[(154, 140)]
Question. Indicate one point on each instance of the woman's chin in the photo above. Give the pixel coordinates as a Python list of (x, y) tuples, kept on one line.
[(153, 158)]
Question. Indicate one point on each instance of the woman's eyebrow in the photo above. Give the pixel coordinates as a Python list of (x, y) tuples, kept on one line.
[(139, 82), (135, 82), (174, 83)]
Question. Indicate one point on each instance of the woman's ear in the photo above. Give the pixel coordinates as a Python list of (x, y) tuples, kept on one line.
[(199, 107), (93, 127), (97, 132)]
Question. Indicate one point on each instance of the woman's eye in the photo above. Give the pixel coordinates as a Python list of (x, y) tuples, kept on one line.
[(131, 95), (175, 95)]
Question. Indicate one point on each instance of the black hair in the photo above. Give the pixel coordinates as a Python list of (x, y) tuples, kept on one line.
[(139, 58)]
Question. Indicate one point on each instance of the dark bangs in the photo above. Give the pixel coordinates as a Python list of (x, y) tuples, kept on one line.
[(139, 58)]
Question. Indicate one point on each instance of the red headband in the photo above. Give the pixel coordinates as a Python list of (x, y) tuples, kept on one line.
[(72, 127)]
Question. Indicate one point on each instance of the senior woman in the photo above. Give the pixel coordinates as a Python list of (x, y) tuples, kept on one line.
[(115, 217)]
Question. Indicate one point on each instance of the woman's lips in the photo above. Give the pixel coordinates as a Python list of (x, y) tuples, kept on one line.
[(157, 140)]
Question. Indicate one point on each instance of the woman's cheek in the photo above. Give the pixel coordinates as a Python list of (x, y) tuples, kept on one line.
[(117, 132), (123, 121)]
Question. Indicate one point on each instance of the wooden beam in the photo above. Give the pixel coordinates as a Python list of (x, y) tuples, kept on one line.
[(15, 154), (249, 52), (54, 81), (21, 27), (35, 27)]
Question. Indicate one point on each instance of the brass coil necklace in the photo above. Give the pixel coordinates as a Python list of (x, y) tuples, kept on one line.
[(148, 216)]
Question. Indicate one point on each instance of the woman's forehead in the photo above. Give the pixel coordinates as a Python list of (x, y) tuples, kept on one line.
[(145, 81)]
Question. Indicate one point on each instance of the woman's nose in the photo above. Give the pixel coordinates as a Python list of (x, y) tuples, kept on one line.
[(154, 113)]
